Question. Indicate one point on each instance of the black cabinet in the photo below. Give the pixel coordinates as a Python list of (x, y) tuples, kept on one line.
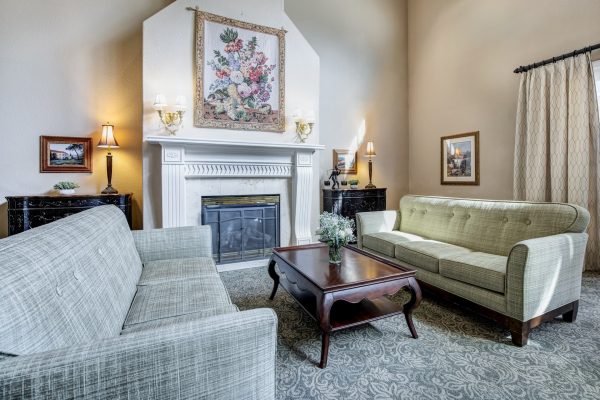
[(26, 212), (348, 202)]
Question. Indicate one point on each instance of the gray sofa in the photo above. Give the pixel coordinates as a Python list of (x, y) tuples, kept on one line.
[(90, 309), (519, 263)]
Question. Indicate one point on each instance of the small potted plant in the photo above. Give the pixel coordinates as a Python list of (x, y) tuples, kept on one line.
[(336, 231), (66, 187), (353, 183)]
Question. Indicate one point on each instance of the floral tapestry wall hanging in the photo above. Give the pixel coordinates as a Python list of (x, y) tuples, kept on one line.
[(240, 75)]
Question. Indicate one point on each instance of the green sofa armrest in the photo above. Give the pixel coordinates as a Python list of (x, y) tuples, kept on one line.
[(544, 273), (229, 356), (375, 221), (170, 243)]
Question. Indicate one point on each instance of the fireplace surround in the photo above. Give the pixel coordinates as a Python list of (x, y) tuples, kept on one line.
[(192, 168)]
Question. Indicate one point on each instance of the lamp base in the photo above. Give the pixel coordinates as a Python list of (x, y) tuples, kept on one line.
[(110, 190), (370, 186)]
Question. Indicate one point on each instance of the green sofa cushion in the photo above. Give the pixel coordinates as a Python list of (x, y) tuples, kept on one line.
[(426, 254), (485, 270), (385, 242), (487, 226)]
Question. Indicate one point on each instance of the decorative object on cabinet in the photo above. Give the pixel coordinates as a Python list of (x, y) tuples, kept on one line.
[(304, 125), (346, 161), (334, 178), (370, 153), (172, 121), (327, 183), (108, 141), (65, 154), (240, 75), (66, 187), (353, 183), (348, 202), (26, 212), (460, 159)]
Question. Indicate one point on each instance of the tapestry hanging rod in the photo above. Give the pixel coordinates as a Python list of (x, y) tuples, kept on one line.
[(555, 59)]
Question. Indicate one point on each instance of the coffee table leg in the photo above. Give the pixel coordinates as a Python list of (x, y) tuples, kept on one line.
[(324, 304), (275, 278), (414, 302), (324, 349)]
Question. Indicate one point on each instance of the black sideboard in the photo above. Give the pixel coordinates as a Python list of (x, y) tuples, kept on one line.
[(348, 202), (26, 212)]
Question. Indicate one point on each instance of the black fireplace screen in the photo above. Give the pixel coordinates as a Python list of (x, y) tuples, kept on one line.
[(243, 227)]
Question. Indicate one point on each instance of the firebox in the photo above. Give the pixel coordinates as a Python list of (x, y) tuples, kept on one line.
[(243, 227)]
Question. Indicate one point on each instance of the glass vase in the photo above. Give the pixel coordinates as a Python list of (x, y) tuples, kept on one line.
[(335, 254)]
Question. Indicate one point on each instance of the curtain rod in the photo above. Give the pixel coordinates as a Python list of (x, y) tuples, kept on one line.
[(555, 59)]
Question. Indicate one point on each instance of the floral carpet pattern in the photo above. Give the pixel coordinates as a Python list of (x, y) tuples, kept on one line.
[(458, 355)]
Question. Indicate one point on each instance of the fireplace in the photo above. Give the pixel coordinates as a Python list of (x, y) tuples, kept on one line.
[(243, 227)]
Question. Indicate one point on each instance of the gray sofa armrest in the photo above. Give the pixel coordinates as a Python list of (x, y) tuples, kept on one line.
[(169, 243), (375, 221), (229, 356), (544, 273)]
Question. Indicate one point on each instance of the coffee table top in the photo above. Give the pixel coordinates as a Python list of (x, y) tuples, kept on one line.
[(357, 267)]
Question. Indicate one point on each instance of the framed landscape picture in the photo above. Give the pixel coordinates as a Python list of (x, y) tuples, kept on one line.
[(65, 154), (240, 75), (346, 161), (460, 159)]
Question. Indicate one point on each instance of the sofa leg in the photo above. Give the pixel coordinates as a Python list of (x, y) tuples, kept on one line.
[(520, 337), (571, 316)]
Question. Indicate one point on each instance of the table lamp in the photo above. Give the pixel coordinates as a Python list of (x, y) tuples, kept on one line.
[(370, 154), (108, 141)]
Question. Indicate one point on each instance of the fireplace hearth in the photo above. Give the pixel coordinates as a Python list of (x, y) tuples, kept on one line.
[(244, 228)]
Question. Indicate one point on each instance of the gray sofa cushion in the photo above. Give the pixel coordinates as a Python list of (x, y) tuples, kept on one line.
[(161, 271), (67, 282), (384, 242), (485, 270), (426, 254), (172, 299), (165, 322)]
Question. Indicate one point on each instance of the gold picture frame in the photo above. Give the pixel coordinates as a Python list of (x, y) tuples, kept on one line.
[(460, 159), (230, 94), (346, 161)]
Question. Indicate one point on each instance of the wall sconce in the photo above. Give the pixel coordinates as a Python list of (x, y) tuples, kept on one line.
[(304, 126), (172, 121)]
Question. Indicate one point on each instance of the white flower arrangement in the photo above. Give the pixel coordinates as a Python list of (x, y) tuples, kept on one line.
[(335, 230)]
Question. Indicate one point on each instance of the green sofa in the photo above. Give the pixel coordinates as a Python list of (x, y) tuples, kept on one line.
[(519, 263)]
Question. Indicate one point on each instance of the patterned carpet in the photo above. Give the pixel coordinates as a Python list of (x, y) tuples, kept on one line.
[(457, 356)]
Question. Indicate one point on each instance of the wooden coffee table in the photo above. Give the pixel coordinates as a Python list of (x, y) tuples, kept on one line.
[(361, 281)]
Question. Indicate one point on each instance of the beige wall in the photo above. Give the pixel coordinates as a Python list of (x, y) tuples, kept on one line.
[(461, 57), (362, 47), (66, 67)]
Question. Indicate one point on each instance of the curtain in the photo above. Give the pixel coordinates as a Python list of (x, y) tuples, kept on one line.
[(557, 139)]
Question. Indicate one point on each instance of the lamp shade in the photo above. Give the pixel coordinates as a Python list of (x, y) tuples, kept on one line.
[(370, 149), (108, 138)]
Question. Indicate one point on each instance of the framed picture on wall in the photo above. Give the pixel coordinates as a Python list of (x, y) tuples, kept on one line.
[(346, 161), (240, 75), (65, 154), (460, 159)]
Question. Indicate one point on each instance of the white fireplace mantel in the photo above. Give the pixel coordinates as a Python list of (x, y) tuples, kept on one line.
[(190, 158)]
